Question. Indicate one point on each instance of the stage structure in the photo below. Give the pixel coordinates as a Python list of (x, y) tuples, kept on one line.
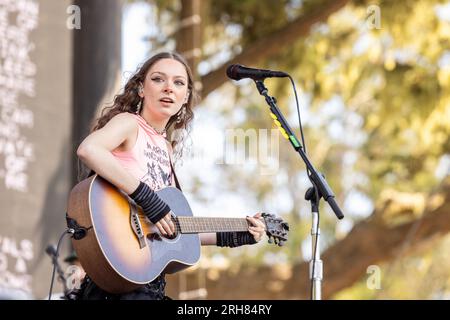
[(42, 54)]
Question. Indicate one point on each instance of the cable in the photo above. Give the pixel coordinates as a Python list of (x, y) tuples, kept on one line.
[(298, 113), (67, 231)]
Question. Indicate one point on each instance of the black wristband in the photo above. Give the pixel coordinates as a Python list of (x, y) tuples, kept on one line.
[(234, 239), (152, 205)]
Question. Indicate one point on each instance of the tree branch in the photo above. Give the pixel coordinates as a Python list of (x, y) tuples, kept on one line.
[(272, 44)]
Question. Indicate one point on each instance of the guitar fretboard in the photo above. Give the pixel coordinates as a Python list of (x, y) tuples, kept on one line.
[(205, 225)]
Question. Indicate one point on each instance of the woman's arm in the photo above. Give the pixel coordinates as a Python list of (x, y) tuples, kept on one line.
[(256, 228), (95, 151), (208, 239)]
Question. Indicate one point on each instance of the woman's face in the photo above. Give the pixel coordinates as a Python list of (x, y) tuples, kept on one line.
[(165, 89)]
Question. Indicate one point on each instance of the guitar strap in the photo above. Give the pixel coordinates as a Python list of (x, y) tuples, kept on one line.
[(177, 184)]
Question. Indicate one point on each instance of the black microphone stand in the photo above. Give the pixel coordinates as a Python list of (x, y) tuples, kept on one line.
[(320, 189)]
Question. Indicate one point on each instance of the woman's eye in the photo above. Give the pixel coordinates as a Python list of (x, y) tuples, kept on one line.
[(157, 79), (179, 83)]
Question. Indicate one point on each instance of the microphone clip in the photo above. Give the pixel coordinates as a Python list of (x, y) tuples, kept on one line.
[(78, 232)]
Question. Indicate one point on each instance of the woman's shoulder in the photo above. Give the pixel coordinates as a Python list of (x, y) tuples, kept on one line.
[(124, 120), (122, 125), (125, 116)]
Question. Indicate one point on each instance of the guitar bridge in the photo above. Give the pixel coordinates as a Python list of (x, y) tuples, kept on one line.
[(136, 225)]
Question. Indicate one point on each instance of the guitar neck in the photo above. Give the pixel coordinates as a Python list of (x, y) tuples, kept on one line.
[(207, 225)]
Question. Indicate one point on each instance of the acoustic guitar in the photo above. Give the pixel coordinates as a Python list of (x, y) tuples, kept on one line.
[(121, 250)]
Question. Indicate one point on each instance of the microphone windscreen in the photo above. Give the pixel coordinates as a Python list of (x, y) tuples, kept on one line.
[(232, 71)]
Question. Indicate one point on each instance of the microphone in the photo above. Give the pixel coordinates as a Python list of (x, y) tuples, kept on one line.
[(238, 72)]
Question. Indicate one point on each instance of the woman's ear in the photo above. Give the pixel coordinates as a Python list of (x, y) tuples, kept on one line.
[(141, 90), (186, 99)]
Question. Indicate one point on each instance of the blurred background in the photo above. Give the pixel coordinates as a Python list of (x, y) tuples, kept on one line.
[(373, 82)]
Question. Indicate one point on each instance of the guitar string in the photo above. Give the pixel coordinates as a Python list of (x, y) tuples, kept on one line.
[(203, 224)]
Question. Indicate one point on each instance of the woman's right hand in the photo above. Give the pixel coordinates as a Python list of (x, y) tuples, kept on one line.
[(165, 225)]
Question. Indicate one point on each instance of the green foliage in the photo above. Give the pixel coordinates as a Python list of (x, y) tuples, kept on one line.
[(255, 17)]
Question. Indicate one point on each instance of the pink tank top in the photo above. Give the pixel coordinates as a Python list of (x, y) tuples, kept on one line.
[(149, 159)]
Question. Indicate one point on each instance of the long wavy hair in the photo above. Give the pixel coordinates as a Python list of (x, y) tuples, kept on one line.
[(128, 101)]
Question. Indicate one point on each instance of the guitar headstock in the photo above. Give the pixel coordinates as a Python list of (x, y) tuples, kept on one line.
[(276, 229)]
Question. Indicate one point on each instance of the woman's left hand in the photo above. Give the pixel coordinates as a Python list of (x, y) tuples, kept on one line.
[(257, 227)]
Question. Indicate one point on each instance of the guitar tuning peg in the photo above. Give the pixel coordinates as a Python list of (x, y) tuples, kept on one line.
[(282, 243), (270, 240)]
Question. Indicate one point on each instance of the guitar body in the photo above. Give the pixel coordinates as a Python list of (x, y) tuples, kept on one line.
[(123, 250)]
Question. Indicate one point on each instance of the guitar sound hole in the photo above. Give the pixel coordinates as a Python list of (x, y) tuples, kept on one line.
[(156, 236)]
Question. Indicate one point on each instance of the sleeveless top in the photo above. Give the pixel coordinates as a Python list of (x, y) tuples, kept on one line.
[(149, 159)]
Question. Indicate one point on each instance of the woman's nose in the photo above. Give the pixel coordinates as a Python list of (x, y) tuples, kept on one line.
[(168, 87)]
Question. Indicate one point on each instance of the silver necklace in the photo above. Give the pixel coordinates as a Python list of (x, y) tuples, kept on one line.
[(157, 131)]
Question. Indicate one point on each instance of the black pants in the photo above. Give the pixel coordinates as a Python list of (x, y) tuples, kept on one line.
[(154, 290)]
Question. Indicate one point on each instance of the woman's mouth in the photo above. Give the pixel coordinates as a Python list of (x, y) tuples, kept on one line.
[(166, 100)]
